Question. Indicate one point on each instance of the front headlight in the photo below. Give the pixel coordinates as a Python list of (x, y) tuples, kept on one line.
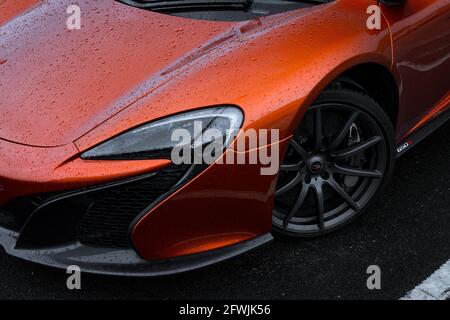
[(154, 140)]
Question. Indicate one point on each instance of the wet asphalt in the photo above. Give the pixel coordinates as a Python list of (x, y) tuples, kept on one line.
[(406, 233)]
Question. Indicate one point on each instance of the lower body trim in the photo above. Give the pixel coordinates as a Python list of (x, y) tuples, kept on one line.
[(123, 262)]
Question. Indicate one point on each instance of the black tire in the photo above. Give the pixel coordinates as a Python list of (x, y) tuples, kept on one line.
[(324, 170)]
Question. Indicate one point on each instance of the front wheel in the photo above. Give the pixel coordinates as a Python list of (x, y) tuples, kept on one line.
[(339, 159)]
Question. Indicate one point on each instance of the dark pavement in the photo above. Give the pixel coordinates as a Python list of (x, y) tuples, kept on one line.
[(406, 233)]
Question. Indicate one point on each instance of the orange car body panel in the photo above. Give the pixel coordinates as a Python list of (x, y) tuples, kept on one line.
[(83, 78), (213, 220), (81, 87), (11, 9), (421, 36)]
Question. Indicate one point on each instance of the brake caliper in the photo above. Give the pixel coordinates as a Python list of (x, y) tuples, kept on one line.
[(355, 161)]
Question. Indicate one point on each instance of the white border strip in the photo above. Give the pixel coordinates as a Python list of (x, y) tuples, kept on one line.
[(436, 287)]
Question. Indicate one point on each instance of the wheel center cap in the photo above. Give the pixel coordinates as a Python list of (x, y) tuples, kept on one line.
[(316, 164)]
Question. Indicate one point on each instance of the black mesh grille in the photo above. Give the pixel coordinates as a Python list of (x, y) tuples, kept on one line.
[(111, 212)]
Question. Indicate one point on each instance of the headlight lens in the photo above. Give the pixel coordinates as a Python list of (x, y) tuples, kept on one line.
[(154, 140)]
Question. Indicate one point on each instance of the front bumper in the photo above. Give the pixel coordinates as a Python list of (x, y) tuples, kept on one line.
[(199, 220)]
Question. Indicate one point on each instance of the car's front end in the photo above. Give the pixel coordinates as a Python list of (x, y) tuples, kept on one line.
[(86, 176), (141, 217)]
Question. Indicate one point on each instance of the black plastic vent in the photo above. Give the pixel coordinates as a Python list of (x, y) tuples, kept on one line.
[(15, 214), (107, 220)]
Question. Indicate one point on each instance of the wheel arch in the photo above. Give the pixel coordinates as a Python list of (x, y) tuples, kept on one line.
[(374, 78), (378, 82)]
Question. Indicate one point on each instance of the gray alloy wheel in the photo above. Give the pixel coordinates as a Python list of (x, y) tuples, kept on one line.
[(337, 162)]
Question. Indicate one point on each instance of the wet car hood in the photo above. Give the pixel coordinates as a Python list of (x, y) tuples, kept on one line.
[(57, 84)]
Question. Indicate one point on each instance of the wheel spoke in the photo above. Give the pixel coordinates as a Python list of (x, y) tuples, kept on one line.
[(317, 128), (338, 140), (349, 171), (290, 185), (299, 149), (357, 148), (320, 206), (337, 187), (291, 167), (301, 198)]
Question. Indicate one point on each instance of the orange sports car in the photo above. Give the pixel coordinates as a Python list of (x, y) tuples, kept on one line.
[(93, 91)]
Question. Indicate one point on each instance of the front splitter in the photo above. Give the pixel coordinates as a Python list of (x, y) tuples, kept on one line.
[(122, 262)]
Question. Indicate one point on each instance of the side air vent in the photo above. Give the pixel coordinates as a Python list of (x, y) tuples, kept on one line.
[(110, 214)]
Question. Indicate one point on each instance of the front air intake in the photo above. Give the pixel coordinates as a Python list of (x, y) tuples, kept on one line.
[(99, 216)]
